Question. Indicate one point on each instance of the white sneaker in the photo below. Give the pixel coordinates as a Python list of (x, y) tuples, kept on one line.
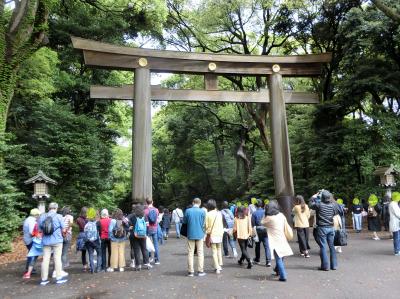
[(121, 269), (217, 271), (110, 270), (235, 253), (148, 266), (63, 274), (132, 265), (151, 260)]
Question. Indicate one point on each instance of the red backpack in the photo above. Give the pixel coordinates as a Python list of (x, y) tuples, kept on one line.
[(104, 224)]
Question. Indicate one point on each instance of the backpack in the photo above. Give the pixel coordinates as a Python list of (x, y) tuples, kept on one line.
[(118, 230), (229, 220), (140, 228), (48, 226), (152, 216), (90, 230)]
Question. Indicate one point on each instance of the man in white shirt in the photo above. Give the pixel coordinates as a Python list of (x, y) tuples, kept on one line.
[(177, 216)]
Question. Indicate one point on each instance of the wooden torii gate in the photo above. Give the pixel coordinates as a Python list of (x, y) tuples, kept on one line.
[(145, 61)]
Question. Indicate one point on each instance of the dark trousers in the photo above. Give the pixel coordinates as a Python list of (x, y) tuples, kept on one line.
[(243, 249), (302, 237), (139, 245), (91, 247), (132, 248), (105, 246), (84, 261)]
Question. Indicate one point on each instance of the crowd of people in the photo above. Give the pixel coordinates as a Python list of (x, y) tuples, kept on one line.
[(260, 223)]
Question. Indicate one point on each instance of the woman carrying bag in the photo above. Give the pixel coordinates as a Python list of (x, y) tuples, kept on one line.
[(279, 231), (242, 231), (215, 232)]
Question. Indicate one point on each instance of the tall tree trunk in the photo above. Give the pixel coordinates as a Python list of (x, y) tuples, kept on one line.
[(23, 35)]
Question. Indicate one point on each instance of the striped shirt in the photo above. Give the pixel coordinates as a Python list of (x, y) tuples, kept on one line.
[(325, 212)]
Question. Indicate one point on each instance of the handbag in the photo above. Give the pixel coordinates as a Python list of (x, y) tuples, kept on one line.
[(288, 231), (250, 242), (184, 230), (340, 238), (208, 237), (149, 245)]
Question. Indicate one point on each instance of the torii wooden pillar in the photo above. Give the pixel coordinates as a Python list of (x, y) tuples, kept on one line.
[(143, 61)]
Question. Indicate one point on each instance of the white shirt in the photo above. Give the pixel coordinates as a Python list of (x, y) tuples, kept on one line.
[(177, 214)]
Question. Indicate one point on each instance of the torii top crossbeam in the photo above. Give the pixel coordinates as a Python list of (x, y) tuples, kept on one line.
[(104, 55)]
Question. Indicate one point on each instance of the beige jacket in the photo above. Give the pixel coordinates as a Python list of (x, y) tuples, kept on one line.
[(301, 218), (218, 228), (242, 227), (276, 235)]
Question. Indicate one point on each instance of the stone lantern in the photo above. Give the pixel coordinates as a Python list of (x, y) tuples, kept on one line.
[(387, 177), (41, 189)]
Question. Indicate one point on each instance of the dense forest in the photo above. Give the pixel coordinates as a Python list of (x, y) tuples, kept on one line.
[(49, 123)]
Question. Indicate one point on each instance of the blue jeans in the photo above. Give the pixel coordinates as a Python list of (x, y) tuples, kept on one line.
[(165, 232), (263, 240), (326, 237), (225, 240), (154, 238), (91, 247), (178, 229), (357, 220), (280, 266), (396, 241), (30, 260)]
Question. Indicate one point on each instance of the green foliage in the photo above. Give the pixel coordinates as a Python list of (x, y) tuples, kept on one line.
[(10, 218)]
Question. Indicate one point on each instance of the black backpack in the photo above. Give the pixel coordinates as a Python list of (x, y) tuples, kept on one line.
[(119, 230), (48, 226)]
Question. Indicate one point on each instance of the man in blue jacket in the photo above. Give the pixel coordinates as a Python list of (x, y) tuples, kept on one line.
[(195, 219)]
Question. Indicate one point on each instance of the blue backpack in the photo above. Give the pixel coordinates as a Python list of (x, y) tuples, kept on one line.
[(91, 233), (140, 228), (228, 218), (152, 217)]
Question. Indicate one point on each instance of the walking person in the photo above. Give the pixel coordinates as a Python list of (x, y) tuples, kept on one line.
[(357, 210), (166, 223), (105, 243), (374, 222), (177, 217), (325, 210), (52, 226), (215, 232), (117, 233), (301, 223), (68, 220), (80, 241), (262, 234), (131, 219), (394, 225), (195, 218), (92, 240), (242, 230), (276, 222), (385, 212), (228, 220), (151, 214), (28, 229), (138, 236)]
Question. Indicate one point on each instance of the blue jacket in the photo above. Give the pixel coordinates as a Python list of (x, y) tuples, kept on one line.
[(195, 219), (257, 216), (58, 225), (113, 223)]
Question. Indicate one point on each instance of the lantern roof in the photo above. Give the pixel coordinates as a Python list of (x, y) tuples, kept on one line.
[(386, 170), (40, 177)]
